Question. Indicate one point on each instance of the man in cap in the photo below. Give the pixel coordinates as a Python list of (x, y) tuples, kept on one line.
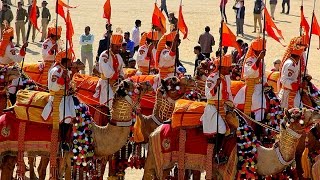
[(8, 56), (292, 71), (46, 17), (111, 69), (21, 20), (147, 52), (249, 97), (59, 79), (213, 124), (166, 54)]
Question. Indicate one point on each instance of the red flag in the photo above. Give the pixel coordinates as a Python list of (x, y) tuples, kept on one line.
[(304, 24), (315, 27), (158, 19), (69, 31), (181, 24), (228, 38), (271, 26), (60, 8), (33, 15), (107, 11)]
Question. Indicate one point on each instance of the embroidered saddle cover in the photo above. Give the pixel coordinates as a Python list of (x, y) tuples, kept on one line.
[(187, 113), (86, 87), (30, 104)]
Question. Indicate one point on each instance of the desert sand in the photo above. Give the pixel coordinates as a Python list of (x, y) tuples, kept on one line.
[(197, 14)]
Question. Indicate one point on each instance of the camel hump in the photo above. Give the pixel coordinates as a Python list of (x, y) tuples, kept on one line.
[(30, 104), (187, 114)]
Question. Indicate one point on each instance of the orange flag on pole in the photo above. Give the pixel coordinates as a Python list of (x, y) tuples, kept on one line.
[(181, 24), (228, 38), (271, 26), (158, 19), (304, 24), (315, 28), (107, 11), (69, 31), (33, 15), (60, 8)]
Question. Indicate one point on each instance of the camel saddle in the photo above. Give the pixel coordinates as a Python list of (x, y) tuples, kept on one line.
[(30, 104)]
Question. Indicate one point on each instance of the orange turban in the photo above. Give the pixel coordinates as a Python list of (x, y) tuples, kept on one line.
[(153, 35), (257, 44), (63, 54), (55, 31), (117, 39)]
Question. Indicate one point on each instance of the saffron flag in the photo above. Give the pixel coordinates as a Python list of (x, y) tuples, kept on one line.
[(228, 38), (33, 15), (60, 8), (69, 31), (304, 24), (107, 11), (182, 25), (158, 19), (315, 27), (271, 26)]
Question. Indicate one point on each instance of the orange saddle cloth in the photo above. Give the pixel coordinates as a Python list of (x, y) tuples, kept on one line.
[(187, 113), (236, 86), (86, 87)]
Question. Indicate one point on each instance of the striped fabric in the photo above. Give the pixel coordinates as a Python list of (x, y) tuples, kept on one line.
[(250, 84)]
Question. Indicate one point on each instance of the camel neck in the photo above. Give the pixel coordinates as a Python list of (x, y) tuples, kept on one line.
[(288, 143), (121, 110), (163, 108)]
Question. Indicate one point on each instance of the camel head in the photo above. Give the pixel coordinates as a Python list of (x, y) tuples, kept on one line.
[(77, 66), (301, 121), (171, 87), (188, 83), (205, 68), (7, 74), (129, 88)]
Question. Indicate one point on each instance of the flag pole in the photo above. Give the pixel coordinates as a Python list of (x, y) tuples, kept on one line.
[(177, 48)]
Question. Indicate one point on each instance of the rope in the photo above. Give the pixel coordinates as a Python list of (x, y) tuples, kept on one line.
[(243, 115)]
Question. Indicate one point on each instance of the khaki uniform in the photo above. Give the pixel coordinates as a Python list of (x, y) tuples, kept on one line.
[(46, 17), (21, 19), (5, 15)]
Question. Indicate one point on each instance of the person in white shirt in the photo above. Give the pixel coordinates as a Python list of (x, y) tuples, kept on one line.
[(86, 41), (136, 35)]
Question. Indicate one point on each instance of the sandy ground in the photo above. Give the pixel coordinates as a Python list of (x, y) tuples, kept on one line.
[(197, 15)]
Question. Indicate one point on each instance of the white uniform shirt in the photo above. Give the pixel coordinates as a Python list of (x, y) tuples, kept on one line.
[(47, 55), (136, 36), (11, 55), (142, 55)]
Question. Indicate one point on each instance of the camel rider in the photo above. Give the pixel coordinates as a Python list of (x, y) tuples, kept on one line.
[(111, 69), (9, 56), (166, 54), (210, 120), (59, 79), (250, 96), (292, 71), (147, 52)]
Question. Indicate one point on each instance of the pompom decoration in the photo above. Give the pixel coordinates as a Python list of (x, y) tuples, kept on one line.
[(83, 145)]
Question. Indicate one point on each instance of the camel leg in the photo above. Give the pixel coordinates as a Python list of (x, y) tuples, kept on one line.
[(67, 163), (196, 175), (43, 168), (31, 161), (149, 167), (8, 164)]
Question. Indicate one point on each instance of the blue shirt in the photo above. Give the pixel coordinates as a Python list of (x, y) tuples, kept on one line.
[(130, 47)]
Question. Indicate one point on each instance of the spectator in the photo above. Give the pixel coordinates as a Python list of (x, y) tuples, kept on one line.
[(125, 54), (173, 22), (206, 41), (38, 15), (284, 2), (240, 13), (163, 7), (130, 43), (86, 41), (104, 43), (21, 20), (132, 63), (136, 35), (223, 4), (257, 11), (273, 4), (235, 54), (6, 15), (199, 57), (46, 17), (276, 65)]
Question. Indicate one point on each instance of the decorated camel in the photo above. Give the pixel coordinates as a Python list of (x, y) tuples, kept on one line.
[(169, 92), (7, 74), (123, 106), (165, 150)]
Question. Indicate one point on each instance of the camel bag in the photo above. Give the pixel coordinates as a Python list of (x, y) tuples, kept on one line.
[(30, 104), (272, 78)]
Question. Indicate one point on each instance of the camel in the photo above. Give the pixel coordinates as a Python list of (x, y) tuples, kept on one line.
[(316, 169), (269, 161), (202, 72), (7, 74), (165, 103)]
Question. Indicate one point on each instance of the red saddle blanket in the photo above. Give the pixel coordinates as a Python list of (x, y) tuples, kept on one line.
[(86, 87), (37, 136)]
